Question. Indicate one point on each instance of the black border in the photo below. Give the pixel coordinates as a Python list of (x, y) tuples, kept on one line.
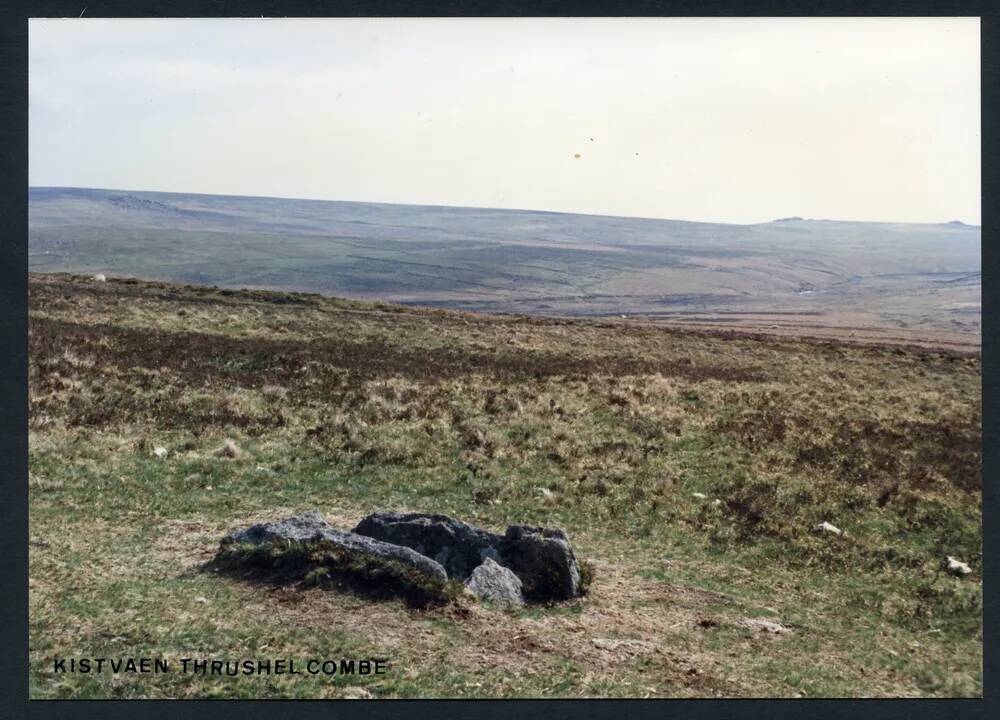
[(13, 359)]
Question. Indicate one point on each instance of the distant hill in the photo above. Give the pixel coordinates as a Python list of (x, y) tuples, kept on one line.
[(521, 261)]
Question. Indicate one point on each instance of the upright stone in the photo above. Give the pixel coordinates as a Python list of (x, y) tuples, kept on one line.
[(544, 561)]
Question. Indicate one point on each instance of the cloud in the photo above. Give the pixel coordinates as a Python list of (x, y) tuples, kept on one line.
[(715, 119)]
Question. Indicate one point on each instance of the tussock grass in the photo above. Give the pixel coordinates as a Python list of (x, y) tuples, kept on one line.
[(605, 430)]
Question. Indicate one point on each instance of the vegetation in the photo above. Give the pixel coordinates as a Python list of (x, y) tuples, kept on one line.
[(917, 279), (602, 428)]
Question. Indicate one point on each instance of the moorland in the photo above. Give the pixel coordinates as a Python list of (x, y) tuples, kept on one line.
[(792, 274), (691, 469)]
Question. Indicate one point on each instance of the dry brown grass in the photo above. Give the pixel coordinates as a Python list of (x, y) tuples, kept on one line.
[(605, 429)]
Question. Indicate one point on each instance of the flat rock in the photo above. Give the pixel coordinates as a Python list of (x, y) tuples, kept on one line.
[(494, 583), (540, 557), (458, 547), (313, 527), (298, 528)]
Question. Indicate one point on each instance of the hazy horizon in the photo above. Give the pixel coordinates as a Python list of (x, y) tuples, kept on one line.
[(487, 207), (723, 120)]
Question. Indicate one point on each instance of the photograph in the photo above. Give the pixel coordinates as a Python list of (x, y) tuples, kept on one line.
[(376, 358)]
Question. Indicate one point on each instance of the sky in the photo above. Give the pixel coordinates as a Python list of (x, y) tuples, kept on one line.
[(714, 119)]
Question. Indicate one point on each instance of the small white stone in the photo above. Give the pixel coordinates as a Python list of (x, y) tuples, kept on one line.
[(699, 496), (764, 625), (827, 527), (160, 451), (100, 277), (201, 600), (716, 502), (957, 567)]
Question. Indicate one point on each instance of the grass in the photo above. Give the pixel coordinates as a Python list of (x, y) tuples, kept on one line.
[(605, 430), (924, 277)]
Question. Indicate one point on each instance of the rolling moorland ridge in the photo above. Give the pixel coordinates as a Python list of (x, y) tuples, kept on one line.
[(692, 469), (801, 276)]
